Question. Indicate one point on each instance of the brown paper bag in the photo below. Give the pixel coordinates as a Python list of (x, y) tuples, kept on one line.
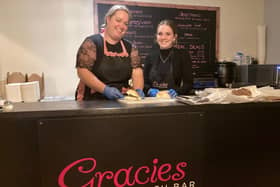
[(16, 77), (36, 77)]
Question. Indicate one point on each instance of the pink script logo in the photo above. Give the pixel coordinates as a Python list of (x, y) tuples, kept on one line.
[(153, 174)]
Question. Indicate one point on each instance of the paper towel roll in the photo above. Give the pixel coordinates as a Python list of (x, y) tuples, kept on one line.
[(30, 91), (261, 44), (13, 92)]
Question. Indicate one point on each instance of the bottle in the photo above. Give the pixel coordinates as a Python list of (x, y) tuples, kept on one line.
[(238, 58), (248, 60)]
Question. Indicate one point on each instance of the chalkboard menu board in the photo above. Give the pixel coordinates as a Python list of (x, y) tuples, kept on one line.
[(197, 27)]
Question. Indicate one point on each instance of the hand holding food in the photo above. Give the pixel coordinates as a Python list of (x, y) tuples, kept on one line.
[(140, 93), (112, 93), (153, 92), (132, 95), (172, 93)]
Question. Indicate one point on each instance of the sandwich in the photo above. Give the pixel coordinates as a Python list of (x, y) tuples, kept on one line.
[(132, 95), (163, 94), (242, 92)]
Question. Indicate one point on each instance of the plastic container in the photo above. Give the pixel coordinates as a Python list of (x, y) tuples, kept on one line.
[(238, 58)]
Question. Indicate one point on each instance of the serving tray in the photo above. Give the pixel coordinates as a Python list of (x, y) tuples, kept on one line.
[(146, 100)]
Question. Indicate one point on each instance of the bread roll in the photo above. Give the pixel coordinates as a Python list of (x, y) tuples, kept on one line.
[(129, 98), (163, 94), (132, 95), (242, 91)]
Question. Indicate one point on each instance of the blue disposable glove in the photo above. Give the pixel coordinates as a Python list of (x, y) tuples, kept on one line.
[(152, 92), (172, 93), (140, 92), (112, 93)]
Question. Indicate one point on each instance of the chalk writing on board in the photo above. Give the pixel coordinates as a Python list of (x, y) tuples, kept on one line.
[(196, 29)]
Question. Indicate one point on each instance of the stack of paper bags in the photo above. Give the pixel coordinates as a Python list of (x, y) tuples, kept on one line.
[(24, 88), (23, 92), (40, 79), (12, 88)]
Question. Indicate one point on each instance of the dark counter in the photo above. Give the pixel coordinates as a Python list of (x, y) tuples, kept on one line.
[(223, 145)]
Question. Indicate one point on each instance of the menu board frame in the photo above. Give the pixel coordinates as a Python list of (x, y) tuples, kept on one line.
[(206, 51)]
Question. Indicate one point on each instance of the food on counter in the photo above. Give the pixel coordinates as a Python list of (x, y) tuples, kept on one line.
[(163, 94), (130, 98), (272, 98), (132, 95), (242, 92)]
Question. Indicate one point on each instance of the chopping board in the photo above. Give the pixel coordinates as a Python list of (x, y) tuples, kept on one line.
[(146, 100)]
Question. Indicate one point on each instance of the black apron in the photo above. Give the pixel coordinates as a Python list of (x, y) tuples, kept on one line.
[(161, 74), (113, 71)]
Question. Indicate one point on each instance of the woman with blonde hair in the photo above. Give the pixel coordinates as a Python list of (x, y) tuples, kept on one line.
[(106, 62)]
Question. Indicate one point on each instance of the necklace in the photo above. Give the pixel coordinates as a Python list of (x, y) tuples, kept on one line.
[(164, 60)]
